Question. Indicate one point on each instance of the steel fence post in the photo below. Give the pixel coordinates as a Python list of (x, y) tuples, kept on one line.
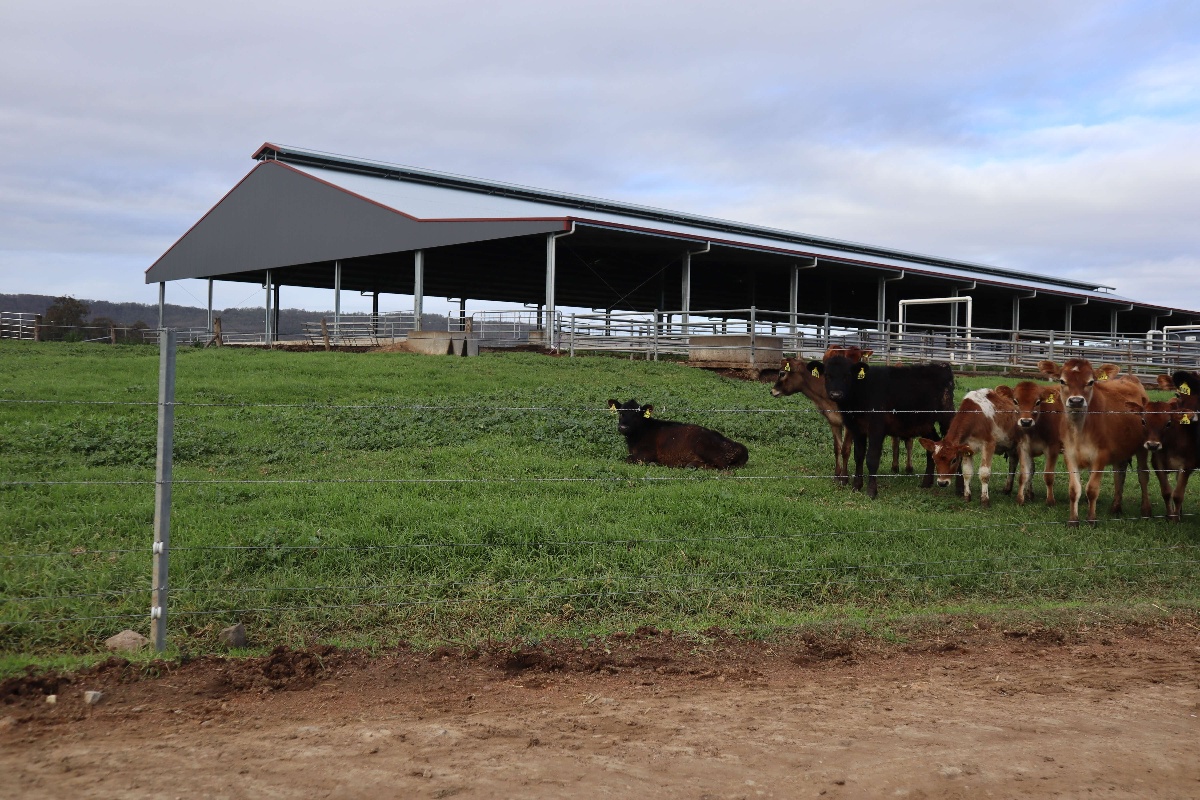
[(162, 489)]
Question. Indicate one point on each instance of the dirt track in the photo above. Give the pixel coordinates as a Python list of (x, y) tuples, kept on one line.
[(1095, 713)]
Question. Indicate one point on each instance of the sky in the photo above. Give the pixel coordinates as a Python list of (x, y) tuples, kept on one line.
[(1057, 137)]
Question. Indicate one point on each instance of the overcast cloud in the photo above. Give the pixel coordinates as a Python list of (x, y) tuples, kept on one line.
[(1055, 137)]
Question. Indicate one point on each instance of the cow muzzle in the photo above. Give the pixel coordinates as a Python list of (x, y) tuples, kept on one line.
[(1153, 447), (1076, 401), (836, 395), (943, 482), (776, 393), (1025, 423)]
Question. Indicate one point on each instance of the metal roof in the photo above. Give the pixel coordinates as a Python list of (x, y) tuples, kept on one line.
[(430, 195)]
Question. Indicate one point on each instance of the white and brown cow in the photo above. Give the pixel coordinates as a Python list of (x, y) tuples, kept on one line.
[(1039, 432), (984, 425)]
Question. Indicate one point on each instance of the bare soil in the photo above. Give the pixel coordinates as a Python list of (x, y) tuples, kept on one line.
[(1109, 712)]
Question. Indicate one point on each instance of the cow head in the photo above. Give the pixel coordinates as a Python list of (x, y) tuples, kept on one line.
[(630, 416), (1076, 381), (840, 374), (947, 458), (793, 377), (1158, 419), (1034, 399)]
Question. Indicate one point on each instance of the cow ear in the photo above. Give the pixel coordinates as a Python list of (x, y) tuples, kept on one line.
[(647, 411), (1183, 381), (816, 368), (928, 444), (866, 354), (787, 365), (613, 404), (1107, 371), (1165, 383), (1005, 391), (1049, 369), (863, 368), (1134, 407)]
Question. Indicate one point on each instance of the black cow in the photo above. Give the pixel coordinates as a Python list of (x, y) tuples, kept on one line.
[(673, 444), (888, 401)]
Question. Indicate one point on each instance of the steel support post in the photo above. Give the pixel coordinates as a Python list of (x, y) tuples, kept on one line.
[(337, 297), (162, 489), (210, 314), (418, 288), (162, 302), (267, 311)]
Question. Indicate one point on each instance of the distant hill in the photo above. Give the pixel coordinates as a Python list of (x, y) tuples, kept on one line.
[(233, 320)]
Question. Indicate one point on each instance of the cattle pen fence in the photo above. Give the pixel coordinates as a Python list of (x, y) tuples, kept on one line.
[(388, 570), (755, 336)]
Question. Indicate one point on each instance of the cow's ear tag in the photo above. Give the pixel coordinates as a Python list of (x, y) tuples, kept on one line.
[(1187, 420), (862, 373), (787, 366), (1185, 389), (646, 413), (1050, 397), (612, 410), (816, 372), (1103, 376)]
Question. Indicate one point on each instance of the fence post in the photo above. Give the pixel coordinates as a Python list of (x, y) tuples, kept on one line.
[(753, 332), (162, 488), (572, 334), (655, 340)]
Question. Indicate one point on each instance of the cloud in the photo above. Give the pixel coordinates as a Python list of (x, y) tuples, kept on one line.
[(1056, 138)]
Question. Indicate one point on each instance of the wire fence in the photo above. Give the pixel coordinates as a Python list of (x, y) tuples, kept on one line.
[(691, 565)]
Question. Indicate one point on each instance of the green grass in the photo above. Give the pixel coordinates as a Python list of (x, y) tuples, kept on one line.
[(375, 497)]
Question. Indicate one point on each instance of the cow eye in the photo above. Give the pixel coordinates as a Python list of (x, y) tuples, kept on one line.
[(1063, 381), (1093, 380), (1037, 402)]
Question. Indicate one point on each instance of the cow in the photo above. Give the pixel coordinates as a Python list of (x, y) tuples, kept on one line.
[(794, 377), (985, 424), (880, 401), (1098, 429), (1171, 438), (673, 444), (1039, 432)]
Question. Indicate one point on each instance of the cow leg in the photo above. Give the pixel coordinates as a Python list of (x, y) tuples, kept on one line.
[(1010, 458), (1175, 514), (895, 455), (1144, 482), (874, 453), (1074, 490), (908, 467), (967, 471), (1025, 467), (985, 475), (1093, 493), (1119, 472), (1164, 483), (1051, 466), (842, 443), (860, 452)]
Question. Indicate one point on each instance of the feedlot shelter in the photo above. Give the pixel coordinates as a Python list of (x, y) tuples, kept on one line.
[(305, 218)]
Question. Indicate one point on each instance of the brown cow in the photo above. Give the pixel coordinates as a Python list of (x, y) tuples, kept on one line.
[(1039, 432), (1098, 430), (985, 424), (1171, 440), (793, 377), (673, 444)]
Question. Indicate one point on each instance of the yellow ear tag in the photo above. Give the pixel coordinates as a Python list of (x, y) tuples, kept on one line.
[(1187, 420), (862, 373), (1050, 398), (1185, 389), (647, 414), (787, 366), (612, 410)]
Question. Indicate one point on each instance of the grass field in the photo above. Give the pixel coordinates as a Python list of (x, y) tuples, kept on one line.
[(374, 497)]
